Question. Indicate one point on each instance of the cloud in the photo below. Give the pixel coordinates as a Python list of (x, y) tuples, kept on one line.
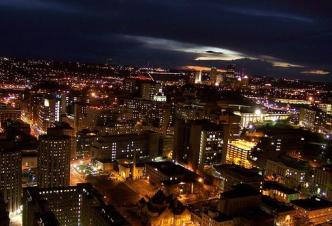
[(202, 52), (285, 64), (268, 13), (316, 72)]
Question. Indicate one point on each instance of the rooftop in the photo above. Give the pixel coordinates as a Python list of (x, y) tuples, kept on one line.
[(312, 203), (240, 190), (237, 171), (171, 169), (279, 187)]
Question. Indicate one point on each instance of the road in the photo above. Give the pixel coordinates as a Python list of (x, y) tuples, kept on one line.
[(75, 177)]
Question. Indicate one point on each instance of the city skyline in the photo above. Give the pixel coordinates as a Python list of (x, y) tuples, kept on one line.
[(165, 113), (275, 38)]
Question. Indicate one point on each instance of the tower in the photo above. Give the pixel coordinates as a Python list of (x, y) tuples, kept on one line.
[(198, 77), (10, 174), (54, 160)]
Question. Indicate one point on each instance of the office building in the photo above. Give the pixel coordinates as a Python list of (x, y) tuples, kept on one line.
[(238, 153), (74, 205), (312, 118), (54, 160), (198, 143), (125, 146), (10, 175), (49, 112), (291, 173)]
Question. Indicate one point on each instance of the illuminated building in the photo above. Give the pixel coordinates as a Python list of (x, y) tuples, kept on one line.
[(257, 116), (114, 147), (283, 213), (238, 153), (163, 210), (215, 77), (279, 192), (10, 174), (243, 205), (322, 180), (131, 170), (74, 205), (326, 107), (198, 143), (54, 160), (312, 211), (152, 113), (292, 174), (174, 178), (160, 97), (292, 101), (312, 118), (198, 77), (49, 112)]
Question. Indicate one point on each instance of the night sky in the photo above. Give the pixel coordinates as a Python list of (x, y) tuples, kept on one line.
[(290, 38)]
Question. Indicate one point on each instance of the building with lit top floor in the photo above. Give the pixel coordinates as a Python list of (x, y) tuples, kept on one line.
[(238, 153)]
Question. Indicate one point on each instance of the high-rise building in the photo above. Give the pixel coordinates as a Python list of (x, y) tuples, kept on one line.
[(198, 143), (54, 160), (238, 153), (198, 77), (10, 175), (312, 118), (72, 205), (49, 112)]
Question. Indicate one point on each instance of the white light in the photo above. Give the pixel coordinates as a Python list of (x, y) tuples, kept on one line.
[(46, 103), (258, 112)]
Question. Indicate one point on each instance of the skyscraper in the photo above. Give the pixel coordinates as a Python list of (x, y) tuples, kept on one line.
[(198, 77), (54, 160), (49, 112), (198, 143), (10, 175)]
